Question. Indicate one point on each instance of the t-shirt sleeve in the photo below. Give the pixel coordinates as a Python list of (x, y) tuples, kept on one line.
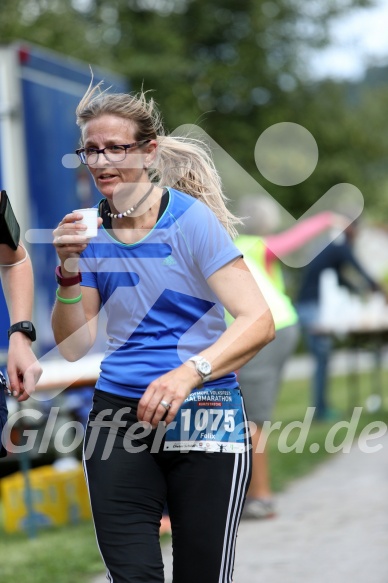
[(210, 244)]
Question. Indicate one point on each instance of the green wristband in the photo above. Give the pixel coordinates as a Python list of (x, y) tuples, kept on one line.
[(68, 300)]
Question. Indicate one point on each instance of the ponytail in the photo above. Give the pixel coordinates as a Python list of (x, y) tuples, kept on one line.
[(186, 164)]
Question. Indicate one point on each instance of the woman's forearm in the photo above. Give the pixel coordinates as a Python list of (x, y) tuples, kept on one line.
[(239, 343), (70, 326), (18, 287), (284, 243)]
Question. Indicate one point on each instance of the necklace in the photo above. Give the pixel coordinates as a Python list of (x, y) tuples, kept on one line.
[(132, 209)]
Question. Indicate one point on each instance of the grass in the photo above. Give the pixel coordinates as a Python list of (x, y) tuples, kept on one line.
[(61, 555), (70, 555), (346, 393)]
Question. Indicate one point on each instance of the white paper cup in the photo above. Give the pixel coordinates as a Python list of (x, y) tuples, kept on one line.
[(90, 220)]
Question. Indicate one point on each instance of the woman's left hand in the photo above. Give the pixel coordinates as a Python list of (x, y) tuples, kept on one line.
[(23, 367), (166, 394)]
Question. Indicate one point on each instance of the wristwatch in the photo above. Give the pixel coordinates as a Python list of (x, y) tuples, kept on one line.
[(203, 367), (26, 327), (66, 281)]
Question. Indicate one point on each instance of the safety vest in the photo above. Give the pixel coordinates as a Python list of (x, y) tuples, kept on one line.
[(271, 283)]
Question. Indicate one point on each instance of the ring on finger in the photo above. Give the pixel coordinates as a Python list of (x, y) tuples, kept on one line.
[(165, 404)]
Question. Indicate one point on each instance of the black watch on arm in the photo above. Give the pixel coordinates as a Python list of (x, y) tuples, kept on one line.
[(25, 327)]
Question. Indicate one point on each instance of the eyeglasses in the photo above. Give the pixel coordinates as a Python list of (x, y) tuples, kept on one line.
[(114, 153)]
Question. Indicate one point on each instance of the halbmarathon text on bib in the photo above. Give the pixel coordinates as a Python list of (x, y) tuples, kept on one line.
[(209, 420)]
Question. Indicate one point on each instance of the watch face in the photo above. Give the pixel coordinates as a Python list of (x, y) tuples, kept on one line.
[(204, 367), (26, 327)]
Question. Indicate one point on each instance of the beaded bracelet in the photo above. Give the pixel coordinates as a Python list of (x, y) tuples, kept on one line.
[(68, 300)]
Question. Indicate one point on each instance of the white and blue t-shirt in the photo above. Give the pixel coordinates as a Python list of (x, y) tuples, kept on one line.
[(160, 309)]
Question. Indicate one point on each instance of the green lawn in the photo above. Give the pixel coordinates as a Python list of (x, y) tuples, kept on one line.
[(70, 555), (346, 393), (56, 555)]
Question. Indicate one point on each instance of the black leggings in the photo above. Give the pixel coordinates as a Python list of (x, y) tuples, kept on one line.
[(204, 492)]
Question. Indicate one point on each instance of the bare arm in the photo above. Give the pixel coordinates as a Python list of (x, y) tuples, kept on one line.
[(253, 326), (75, 325), (251, 330), (284, 243), (18, 286)]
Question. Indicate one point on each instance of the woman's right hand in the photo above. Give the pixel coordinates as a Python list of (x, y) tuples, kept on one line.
[(69, 238)]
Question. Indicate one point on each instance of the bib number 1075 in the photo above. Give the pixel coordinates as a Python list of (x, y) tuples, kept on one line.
[(210, 420)]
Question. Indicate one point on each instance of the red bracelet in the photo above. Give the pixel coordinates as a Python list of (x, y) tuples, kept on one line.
[(66, 281)]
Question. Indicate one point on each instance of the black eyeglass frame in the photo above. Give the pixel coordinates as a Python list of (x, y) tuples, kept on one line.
[(81, 151)]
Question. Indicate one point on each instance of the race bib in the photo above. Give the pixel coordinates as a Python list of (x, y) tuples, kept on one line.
[(209, 420)]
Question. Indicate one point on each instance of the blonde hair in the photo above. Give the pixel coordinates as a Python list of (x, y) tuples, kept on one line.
[(183, 162)]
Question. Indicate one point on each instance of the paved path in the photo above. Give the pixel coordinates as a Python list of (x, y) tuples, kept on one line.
[(332, 526)]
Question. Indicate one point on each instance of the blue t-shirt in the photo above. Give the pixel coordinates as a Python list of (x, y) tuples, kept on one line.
[(160, 309)]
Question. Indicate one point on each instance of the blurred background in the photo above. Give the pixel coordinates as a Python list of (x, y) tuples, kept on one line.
[(234, 69), (237, 68)]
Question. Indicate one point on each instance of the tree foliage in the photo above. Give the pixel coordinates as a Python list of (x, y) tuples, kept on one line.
[(234, 68)]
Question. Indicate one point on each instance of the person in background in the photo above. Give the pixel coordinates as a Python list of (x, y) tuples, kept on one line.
[(163, 266), (338, 256), (23, 368), (261, 377)]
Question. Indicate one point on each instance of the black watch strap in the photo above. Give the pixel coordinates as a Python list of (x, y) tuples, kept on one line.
[(26, 327)]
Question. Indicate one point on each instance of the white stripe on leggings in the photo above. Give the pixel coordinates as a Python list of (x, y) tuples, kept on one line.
[(239, 483)]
